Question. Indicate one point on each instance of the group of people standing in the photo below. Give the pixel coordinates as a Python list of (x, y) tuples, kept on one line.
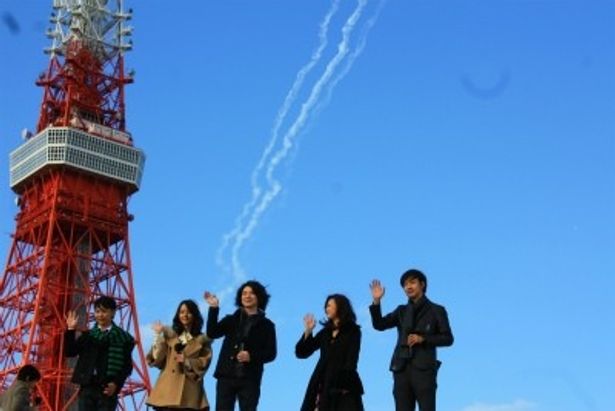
[(182, 351)]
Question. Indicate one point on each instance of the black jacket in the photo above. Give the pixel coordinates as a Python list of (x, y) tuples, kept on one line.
[(91, 367), (260, 342), (335, 373), (431, 322)]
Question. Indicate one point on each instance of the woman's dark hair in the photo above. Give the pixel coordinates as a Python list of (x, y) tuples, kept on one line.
[(197, 318), (345, 313), (259, 290), (28, 373)]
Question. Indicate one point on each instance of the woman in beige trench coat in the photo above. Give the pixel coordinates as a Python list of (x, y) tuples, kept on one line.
[(183, 354)]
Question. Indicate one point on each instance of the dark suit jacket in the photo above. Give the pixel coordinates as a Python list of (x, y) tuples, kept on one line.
[(336, 370), (91, 367), (431, 322), (260, 343)]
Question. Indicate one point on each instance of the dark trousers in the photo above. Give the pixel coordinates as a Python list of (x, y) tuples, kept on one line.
[(91, 398), (413, 385), (246, 391)]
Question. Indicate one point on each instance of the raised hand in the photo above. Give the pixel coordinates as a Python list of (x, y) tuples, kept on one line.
[(309, 323), (71, 320), (211, 299), (377, 291), (157, 327)]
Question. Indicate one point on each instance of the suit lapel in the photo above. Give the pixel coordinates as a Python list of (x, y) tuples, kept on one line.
[(423, 312)]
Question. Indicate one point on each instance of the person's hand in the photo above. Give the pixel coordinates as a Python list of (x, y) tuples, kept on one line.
[(377, 291), (71, 320), (179, 357), (157, 327), (309, 323), (110, 389), (414, 339), (243, 356), (211, 299)]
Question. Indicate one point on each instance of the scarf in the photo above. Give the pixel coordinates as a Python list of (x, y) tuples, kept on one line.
[(117, 340)]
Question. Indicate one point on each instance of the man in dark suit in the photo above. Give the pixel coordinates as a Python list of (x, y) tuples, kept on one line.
[(105, 359), (421, 327)]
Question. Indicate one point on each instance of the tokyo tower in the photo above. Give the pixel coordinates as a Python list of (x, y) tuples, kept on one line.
[(73, 179)]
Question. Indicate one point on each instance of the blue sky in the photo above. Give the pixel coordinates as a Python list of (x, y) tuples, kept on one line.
[(472, 139)]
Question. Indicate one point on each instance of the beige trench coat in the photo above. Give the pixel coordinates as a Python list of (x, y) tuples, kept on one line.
[(180, 385)]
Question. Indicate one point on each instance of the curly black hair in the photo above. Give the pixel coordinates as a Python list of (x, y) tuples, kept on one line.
[(262, 297), (197, 318), (345, 313)]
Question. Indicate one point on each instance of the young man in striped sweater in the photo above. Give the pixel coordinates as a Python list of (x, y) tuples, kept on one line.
[(105, 357)]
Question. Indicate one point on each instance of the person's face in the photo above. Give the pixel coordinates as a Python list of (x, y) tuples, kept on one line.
[(103, 316), (414, 288), (331, 309), (185, 316), (248, 298)]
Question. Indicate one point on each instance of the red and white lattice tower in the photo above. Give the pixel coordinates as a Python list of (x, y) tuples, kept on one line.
[(73, 179)]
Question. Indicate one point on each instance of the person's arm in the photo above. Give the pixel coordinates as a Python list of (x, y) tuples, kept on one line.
[(215, 328), (195, 366), (307, 344), (72, 344), (443, 337), (126, 370), (381, 323), (354, 347), (347, 378), (157, 355), (268, 348)]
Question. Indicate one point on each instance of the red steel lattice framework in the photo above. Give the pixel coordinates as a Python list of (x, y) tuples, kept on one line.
[(71, 243)]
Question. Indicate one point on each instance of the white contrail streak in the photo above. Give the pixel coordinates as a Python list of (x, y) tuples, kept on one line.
[(281, 116), (274, 186), (361, 43), (271, 157)]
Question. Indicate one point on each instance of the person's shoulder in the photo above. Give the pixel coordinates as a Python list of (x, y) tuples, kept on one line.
[(203, 339), (352, 328), (125, 335), (268, 321), (436, 306)]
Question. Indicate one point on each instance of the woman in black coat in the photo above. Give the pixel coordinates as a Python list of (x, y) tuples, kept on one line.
[(335, 384)]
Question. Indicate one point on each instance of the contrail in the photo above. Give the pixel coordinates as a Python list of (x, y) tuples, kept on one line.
[(270, 160), (281, 116), (361, 43)]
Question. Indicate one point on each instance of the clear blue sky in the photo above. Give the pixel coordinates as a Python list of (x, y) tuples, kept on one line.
[(472, 139)]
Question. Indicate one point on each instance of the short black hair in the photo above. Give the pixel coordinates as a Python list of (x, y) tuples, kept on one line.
[(345, 313), (411, 274), (28, 373), (260, 291), (105, 302), (197, 319)]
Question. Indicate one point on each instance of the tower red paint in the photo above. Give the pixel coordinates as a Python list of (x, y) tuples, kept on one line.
[(73, 179)]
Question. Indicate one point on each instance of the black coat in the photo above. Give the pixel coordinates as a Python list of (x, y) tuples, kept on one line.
[(91, 367), (431, 322), (335, 376), (260, 342)]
